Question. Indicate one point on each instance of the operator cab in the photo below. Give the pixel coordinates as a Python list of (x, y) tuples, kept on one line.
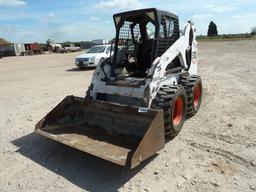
[(142, 36)]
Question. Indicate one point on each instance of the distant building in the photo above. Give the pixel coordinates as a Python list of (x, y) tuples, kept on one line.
[(100, 41)]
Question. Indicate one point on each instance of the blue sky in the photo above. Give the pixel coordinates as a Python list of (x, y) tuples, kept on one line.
[(76, 20)]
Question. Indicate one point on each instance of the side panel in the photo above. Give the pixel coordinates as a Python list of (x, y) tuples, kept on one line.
[(152, 142)]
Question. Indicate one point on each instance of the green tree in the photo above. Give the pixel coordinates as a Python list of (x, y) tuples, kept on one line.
[(253, 31), (212, 29)]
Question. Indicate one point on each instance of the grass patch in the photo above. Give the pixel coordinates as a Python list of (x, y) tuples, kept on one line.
[(233, 37)]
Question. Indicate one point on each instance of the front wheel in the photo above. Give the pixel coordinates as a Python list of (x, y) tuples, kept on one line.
[(173, 100)]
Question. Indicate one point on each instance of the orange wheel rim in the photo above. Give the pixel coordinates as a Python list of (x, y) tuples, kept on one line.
[(197, 95), (177, 112)]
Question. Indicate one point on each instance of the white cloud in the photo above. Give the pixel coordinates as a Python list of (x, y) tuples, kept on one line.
[(93, 18), (12, 3), (51, 15), (220, 9), (9, 28), (121, 4), (202, 16), (48, 18), (245, 2), (244, 17)]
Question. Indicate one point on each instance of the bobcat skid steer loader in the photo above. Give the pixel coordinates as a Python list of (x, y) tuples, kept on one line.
[(138, 97)]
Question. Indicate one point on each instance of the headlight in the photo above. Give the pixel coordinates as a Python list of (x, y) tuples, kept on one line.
[(92, 59)]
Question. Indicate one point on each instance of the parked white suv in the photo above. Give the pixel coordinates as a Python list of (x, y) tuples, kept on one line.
[(93, 56)]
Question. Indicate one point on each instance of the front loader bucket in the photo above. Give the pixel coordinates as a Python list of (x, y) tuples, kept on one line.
[(120, 134)]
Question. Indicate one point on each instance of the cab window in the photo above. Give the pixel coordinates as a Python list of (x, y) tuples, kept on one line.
[(150, 30)]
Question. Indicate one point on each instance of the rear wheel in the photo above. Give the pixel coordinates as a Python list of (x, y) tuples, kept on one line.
[(194, 89), (173, 100)]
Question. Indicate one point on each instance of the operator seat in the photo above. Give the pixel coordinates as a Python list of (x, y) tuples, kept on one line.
[(144, 54)]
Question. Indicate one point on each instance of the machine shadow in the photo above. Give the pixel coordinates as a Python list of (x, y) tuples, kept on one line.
[(76, 69), (85, 171)]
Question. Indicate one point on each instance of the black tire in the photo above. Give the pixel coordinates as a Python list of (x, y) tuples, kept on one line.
[(194, 90), (174, 116)]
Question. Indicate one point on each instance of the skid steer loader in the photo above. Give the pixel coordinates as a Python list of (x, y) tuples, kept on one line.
[(138, 97)]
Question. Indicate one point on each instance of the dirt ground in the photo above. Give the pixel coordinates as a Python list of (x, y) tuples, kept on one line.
[(216, 150)]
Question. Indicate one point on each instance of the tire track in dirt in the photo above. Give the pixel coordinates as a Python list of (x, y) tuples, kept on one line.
[(227, 138), (221, 152)]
